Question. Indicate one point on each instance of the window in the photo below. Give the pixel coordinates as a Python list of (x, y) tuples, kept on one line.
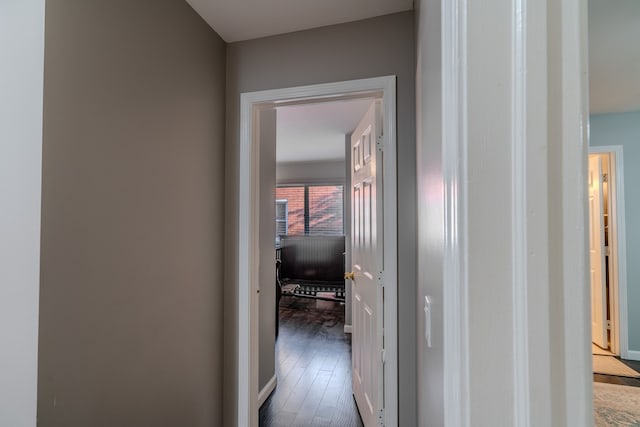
[(325, 210), (309, 210)]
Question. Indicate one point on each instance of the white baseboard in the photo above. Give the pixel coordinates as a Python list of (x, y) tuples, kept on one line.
[(267, 390), (347, 329), (633, 355)]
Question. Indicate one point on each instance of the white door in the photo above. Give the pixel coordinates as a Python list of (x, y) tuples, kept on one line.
[(367, 289), (596, 251)]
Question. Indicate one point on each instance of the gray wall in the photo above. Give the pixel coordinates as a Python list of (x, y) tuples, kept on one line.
[(132, 217), (22, 53), (369, 48), (267, 268), (624, 129)]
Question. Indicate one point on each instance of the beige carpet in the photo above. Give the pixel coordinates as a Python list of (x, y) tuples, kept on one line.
[(609, 365), (597, 350), (616, 405)]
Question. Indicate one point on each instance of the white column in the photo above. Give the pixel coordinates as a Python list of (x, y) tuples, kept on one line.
[(507, 86)]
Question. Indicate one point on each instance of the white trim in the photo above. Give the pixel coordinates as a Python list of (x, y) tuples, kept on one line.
[(247, 272), (633, 355), (248, 232), (620, 338), (347, 329), (578, 377), (621, 257), (519, 163), (267, 390), (454, 170)]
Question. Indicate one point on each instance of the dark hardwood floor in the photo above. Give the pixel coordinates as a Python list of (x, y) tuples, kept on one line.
[(313, 367), (612, 379)]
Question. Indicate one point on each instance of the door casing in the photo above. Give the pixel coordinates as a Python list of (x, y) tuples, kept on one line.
[(618, 259), (249, 187), (597, 267)]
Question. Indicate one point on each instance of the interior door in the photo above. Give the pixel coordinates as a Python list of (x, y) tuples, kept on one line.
[(366, 261), (596, 251)]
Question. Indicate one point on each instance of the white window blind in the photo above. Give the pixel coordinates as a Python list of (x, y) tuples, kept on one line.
[(282, 217)]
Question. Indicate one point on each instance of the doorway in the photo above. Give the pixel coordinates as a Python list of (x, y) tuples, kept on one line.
[(251, 104), (608, 251), (312, 365)]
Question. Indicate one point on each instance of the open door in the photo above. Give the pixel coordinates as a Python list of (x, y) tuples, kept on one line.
[(367, 274), (597, 255)]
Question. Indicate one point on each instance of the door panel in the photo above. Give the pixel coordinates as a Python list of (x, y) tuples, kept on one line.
[(366, 179), (596, 254)]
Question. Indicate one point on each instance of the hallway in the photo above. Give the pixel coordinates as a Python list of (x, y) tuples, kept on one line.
[(313, 357)]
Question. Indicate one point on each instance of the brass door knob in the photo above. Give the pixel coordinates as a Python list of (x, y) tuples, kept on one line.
[(350, 275)]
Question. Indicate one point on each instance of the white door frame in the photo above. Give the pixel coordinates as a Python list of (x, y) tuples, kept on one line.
[(247, 373), (618, 295)]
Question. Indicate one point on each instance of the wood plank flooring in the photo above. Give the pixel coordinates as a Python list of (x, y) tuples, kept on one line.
[(612, 379), (313, 366)]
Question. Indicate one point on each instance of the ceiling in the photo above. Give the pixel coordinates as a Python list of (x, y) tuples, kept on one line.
[(614, 35), (236, 20), (315, 132), (614, 55)]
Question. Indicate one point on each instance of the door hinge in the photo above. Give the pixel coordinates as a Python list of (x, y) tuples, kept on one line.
[(383, 356), (381, 417), (380, 143), (606, 251), (608, 324), (380, 279), (605, 177)]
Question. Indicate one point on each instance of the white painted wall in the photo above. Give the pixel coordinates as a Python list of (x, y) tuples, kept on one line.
[(490, 205), (311, 172), (21, 86)]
